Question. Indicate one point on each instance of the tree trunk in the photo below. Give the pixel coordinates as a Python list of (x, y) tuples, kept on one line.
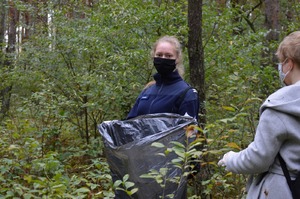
[(272, 24), (197, 74), (12, 30), (272, 19), (2, 56), (5, 91), (2, 22), (195, 53)]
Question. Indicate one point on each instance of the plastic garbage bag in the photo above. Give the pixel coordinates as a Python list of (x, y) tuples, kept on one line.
[(128, 151)]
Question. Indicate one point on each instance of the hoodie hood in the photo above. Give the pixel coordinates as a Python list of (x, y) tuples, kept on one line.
[(286, 100)]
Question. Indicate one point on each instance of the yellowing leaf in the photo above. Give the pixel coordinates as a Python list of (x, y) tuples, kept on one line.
[(233, 145), (12, 147), (224, 137), (228, 108)]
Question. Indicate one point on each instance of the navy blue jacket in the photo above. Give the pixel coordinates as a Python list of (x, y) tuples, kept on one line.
[(163, 96)]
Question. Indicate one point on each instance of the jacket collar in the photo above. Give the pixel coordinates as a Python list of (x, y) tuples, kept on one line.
[(167, 79)]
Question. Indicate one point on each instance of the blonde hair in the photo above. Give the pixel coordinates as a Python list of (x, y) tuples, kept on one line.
[(175, 42), (290, 48)]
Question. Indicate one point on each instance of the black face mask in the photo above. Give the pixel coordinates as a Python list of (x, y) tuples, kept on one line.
[(164, 66)]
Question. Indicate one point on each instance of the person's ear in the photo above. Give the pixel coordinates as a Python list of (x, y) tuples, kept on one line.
[(290, 65)]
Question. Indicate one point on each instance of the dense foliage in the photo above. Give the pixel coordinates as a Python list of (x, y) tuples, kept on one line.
[(90, 64)]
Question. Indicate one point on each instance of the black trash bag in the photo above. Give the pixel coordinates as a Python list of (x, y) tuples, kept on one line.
[(128, 151)]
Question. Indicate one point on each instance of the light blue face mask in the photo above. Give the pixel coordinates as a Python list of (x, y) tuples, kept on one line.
[(282, 75)]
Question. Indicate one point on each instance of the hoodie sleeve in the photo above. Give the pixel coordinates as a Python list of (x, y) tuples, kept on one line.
[(260, 154)]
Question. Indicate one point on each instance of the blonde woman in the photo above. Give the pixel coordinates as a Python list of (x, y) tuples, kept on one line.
[(278, 132), (169, 93)]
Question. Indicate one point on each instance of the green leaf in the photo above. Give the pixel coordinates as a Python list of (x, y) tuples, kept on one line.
[(162, 154), (178, 144), (158, 145), (28, 178), (83, 190), (117, 183), (180, 154), (163, 171), (133, 191), (128, 185), (146, 176), (125, 177), (177, 160), (28, 196)]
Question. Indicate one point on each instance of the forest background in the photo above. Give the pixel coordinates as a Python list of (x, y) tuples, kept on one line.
[(68, 65)]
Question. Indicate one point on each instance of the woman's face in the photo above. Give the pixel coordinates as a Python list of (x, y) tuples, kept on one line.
[(165, 50)]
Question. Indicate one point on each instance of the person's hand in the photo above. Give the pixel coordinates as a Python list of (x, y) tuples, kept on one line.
[(223, 161)]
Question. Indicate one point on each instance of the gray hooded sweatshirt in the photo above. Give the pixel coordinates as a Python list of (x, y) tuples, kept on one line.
[(278, 131)]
